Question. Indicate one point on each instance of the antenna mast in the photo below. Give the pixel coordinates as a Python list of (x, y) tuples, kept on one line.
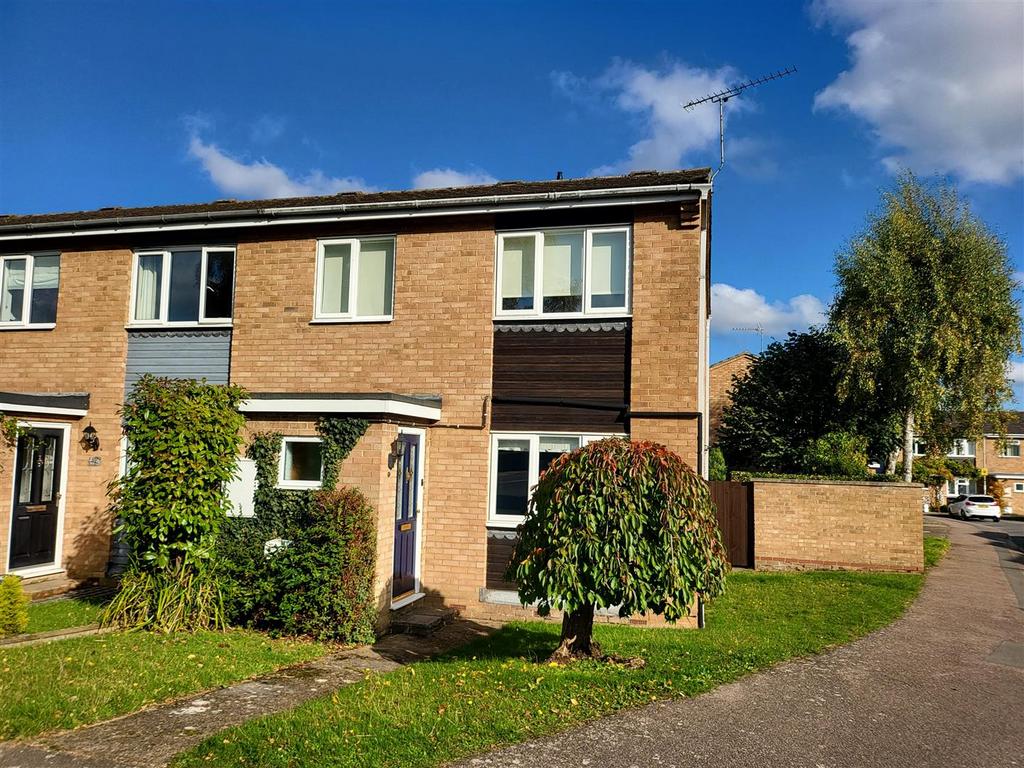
[(758, 329), (720, 97)]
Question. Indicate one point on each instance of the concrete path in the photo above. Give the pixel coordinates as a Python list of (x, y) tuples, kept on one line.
[(150, 738), (943, 687)]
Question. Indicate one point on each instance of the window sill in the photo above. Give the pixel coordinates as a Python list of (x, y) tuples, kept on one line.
[(614, 315), (27, 326), (342, 320), (509, 525), (299, 486), (179, 326)]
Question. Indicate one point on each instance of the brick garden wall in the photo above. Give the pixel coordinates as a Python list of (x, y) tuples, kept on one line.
[(802, 524)]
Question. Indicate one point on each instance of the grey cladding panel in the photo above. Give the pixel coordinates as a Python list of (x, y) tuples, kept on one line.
[(179, 354)]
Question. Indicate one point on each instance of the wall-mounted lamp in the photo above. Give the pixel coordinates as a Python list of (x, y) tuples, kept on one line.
[(397, 449), (90, 438)]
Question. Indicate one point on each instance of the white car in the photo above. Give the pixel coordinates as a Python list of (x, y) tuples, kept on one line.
[(966, 507)]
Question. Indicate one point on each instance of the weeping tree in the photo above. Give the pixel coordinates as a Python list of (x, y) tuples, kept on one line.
[(926, 312), (617, 524)]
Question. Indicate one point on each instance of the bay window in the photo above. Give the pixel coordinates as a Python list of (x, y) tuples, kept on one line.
[(28, 290), (563, 272), (186, 286), (517, 461), (355, 279)]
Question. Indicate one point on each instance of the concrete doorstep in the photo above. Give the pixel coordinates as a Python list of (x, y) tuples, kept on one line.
[(151, 737)]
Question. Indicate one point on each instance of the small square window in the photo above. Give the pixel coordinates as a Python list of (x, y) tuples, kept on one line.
[(1018, 487), (301, 464)]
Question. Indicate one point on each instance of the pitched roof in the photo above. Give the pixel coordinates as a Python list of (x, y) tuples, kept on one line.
[(1014, 424), (449, 196), (724, 360)]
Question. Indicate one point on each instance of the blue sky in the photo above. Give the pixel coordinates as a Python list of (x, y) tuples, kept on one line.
[(139, 103)]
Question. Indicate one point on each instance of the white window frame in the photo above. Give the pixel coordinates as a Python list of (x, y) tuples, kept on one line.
[(538, 273), (355, 244), (512, 521), (919, 447), (297, 485), (1005, 445), (165, 287), (961, 445), (1018, 487), (26, 303)]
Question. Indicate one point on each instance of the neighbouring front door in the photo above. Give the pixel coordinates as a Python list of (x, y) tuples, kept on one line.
[(37, 477), (406, 522)]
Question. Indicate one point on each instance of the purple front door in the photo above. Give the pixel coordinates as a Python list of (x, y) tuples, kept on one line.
[(406, 522)]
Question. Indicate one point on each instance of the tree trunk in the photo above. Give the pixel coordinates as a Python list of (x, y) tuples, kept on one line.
[(908, 447), (577, 636)]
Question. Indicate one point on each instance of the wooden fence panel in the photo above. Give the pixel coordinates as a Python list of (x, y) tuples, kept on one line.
[(734, 503)]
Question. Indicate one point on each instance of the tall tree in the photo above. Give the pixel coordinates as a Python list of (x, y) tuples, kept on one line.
[(926, 313), (788, 399)]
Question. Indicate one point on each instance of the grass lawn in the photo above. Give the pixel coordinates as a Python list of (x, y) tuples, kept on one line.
[(499, 690), (73, 682), (63, 614)]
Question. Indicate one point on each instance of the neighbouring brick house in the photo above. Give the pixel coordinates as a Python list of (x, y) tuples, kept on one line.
[(999, 458), (721, 377), (482, 331)]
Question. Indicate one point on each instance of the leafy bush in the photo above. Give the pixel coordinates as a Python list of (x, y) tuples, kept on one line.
[(842, 454), (618, 523), (13, 607), (183, 443), (716, 464), (321, 582)]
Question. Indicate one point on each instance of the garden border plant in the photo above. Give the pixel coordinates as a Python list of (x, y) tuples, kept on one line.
[(319, 580), (183, 441)]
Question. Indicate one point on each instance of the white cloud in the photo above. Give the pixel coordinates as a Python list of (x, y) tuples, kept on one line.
[(655, 97), (733, 308), (438, 178), (261, 178), (267, 128), (941, 84)]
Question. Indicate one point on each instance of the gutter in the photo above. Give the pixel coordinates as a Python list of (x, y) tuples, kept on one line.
[(260, 216)]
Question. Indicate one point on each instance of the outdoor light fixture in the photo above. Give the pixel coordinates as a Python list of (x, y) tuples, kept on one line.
[(90, 438), (397, 449)]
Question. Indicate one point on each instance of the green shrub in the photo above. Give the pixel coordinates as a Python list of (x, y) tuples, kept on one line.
[(183, 443), (839, 454), (321, 583), (618, 523), (13, 607), (717, 470)]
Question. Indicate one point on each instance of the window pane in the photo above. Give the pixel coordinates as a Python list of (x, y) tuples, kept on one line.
[(518, 255), (28, 456), (513, 477), (184, 302), (553, 446), (49, 449), (334, 283), (45, 280), (563, 272), (302, 462), (376, 277), (12, 292), (220, 277), (148, 285), (608, 270)]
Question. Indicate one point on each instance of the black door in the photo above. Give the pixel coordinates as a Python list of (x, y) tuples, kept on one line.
[(36, 496), (406, 507)]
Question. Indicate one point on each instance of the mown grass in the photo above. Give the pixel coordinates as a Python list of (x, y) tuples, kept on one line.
[(73, 682), (935, 548), (499, 690), (63, 614)]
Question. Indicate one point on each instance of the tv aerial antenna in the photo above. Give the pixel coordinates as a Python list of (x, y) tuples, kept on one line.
[(758, 329), (721, 97)]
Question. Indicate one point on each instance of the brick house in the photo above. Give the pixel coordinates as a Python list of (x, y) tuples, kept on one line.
[(482, 331), (721, 376), (999, 457)]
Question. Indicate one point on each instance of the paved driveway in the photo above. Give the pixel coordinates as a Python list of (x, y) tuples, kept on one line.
[(943, 686)]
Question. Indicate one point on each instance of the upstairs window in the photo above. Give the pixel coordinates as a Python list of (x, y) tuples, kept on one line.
[(355, 279), (1010, 449), (187, 286), (28, 290), (963, 449), (563, 273)]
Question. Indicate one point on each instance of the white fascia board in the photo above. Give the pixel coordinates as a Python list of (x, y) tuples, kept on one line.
[(341, 405), (13, 408), (272, 217)]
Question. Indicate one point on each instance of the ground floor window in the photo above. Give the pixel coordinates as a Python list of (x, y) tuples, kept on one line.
[(962, 486), (1018, 487), (301, 464), (517, 459)]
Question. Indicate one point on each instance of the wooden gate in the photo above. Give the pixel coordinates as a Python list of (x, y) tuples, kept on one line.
[(734, 503)]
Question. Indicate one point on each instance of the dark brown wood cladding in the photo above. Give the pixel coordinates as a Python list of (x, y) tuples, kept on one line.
[(500, 545), (586, 371)]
